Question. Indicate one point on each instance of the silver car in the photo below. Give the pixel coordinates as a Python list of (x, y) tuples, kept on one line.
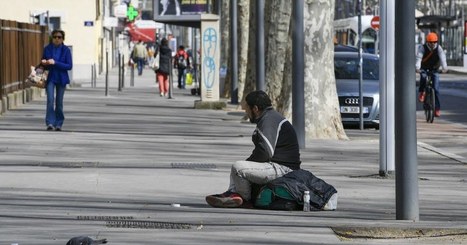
[(347, 77)]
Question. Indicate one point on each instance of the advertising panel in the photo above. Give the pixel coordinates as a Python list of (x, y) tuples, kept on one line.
[(181, 7)]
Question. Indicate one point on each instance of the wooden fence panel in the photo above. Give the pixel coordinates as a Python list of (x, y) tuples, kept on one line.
[(21, 46)]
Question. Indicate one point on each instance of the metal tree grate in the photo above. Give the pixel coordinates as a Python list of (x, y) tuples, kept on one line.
[(104, 218), (193, 165), (147, 225)]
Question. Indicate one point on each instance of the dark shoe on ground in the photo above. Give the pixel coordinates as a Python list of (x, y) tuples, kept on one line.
[(58, 129), (247, 205), (50, 127), (225, 200), (421, 96), (437, 113)]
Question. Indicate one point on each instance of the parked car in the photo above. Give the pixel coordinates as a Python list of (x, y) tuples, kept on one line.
[(347, 79), (344, 48)]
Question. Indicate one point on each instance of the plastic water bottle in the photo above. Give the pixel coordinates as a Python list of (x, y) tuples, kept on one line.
[(306, 201)]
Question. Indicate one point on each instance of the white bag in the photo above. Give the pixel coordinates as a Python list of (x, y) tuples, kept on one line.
[(155, 65)]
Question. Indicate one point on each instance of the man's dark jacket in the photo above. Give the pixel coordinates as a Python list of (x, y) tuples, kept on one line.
[(299, 181), (275, 140)]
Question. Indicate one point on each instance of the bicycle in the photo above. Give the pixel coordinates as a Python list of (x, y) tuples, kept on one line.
[(429, 101)]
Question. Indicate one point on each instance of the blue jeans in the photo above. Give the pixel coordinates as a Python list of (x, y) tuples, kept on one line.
[(435, 80), (140, 63), (181, 77), (54, 114), (243, 173)]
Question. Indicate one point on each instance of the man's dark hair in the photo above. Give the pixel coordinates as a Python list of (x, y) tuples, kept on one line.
[(258, 98)]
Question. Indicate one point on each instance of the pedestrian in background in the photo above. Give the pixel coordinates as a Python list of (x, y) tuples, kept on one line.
[(182, 62), (140, 54), (165, 62), (58, 61)]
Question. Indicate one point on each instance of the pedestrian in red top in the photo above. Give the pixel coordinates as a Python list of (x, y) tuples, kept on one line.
[(181, 62)]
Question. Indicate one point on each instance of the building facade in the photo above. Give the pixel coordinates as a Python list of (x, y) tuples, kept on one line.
[(89, 25)]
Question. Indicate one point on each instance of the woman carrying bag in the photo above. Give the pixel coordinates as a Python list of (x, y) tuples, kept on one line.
[(165, 61), (57, 60)]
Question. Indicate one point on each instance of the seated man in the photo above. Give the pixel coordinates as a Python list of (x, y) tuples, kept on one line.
[(276, 153)]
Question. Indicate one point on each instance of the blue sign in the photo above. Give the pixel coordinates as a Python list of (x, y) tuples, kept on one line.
[(89, 23)]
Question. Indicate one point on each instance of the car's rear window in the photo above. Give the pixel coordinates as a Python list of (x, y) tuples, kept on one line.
[(347, 68)]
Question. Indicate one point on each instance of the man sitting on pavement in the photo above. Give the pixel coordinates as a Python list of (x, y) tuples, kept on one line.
[(276, 153)]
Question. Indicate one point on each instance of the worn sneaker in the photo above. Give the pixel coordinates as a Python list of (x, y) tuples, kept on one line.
[(437, 113), (50, 127), (225, 200), (421, 96)]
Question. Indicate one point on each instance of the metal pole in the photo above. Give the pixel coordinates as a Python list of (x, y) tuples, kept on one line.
[(298, 84), (218, 8), (132, 75), (386, 78), (170, 80), (92, 76), (195, 61), (233, 52), (260, 45), (48, 21), (360, 64), (119, 73), (123, 70), (107, 72), (405, 119), (95, 75)]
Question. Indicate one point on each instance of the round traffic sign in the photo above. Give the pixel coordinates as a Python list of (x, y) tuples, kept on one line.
[(375, 22)]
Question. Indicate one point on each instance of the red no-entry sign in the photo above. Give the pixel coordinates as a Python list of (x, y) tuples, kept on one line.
[(375, 22)]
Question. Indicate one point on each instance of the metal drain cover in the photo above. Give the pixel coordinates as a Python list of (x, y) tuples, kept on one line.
[(193, 165), (147, 225)]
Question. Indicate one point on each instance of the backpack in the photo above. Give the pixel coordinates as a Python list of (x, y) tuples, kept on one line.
[(275, 198), (181, 61)]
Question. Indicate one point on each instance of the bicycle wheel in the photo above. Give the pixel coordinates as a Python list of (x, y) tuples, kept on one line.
[(428, 105)]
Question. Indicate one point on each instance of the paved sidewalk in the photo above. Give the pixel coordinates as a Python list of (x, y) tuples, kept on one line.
[(124, 159)]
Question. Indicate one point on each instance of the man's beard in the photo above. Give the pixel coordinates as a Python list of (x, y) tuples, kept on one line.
[(252, 119)]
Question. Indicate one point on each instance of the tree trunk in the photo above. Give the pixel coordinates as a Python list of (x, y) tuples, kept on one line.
[(250, 79), (225, 47), (322, 115), (244, 30), (277, 39)]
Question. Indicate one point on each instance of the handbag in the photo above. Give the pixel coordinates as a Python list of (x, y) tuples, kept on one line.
[(38, 76), (156, 63)]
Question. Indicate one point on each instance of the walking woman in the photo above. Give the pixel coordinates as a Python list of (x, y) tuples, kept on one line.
[(57, 60), (165, 62)]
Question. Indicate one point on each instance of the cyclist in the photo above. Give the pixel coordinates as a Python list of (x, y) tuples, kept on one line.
[(430, 56)]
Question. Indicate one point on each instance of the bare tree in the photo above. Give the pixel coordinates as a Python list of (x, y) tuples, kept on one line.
[(322, 115), (277, 39), (225, 47), (244, 31)]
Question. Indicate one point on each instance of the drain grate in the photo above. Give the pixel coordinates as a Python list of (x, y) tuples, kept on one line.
[(105, 218), (193, 165), (147, 225)]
